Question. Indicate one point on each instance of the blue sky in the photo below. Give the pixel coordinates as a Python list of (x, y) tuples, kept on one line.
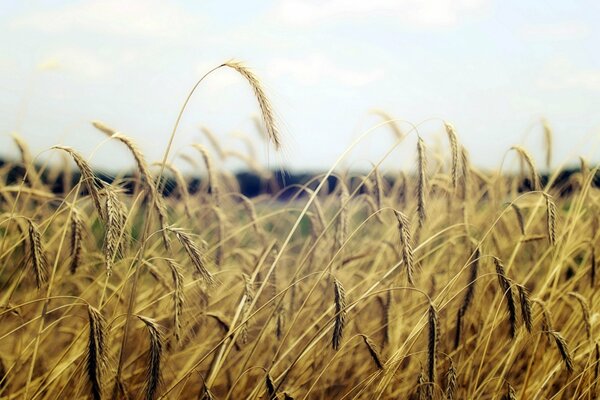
[(492, 68)]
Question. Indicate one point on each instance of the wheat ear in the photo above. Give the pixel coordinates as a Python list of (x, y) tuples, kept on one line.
[(469, 296), (450, 381), (432, 343), (340, 314), (550, 218), (37, 255), (373, 352), (88, 178), (563, 349), (585, 311), (421, 185), (525, 302), (97, 352), (454, 152), (547, 142), (266, 108), (153, 369), (505, 285), (194, 254), (76, 240), (178, 296), (407, 250), (526, 157)]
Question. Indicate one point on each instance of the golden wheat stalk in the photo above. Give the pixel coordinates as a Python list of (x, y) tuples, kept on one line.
[(526, 157), (421, 185), (116, 215), (263, 101), (76, 242), (373, 352), (340, 314), (178, 296), (469, 295), (450, 379), (194, 253), (96, 352), (37, 254), (520, 218), (407, 251), (506, 286), (153, 368), (454, 150), (550, 218), (432, 343), (525, 302), (547, 142), (88, 178), (563, 349), (585, 311)]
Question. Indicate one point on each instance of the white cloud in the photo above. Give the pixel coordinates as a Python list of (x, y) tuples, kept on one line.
[(556, 31), (317, 69), (563, 74), (415, 13), (147, 18)]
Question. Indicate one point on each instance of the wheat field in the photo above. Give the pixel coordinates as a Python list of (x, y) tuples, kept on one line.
[(440, 282)]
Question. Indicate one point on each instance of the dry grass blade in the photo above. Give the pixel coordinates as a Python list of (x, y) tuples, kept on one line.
[(33, 176), (194, 253), (547, 325), (373, 352), (596, 367), (280, 319), (205, 394), (153, 370), (421, 390), (340, 314), (97, 352), (342, 226), (214, 142), (593, 267), (378, 188), (182, 186), (263, 101), (407, 250)]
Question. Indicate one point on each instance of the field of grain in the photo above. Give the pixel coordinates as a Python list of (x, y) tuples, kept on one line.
[(439, 282)]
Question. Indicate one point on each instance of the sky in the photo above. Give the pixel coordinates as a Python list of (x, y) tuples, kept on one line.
[(494, 69)]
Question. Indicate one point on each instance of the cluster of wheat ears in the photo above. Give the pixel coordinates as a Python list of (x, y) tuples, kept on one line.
[(444, 282)]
